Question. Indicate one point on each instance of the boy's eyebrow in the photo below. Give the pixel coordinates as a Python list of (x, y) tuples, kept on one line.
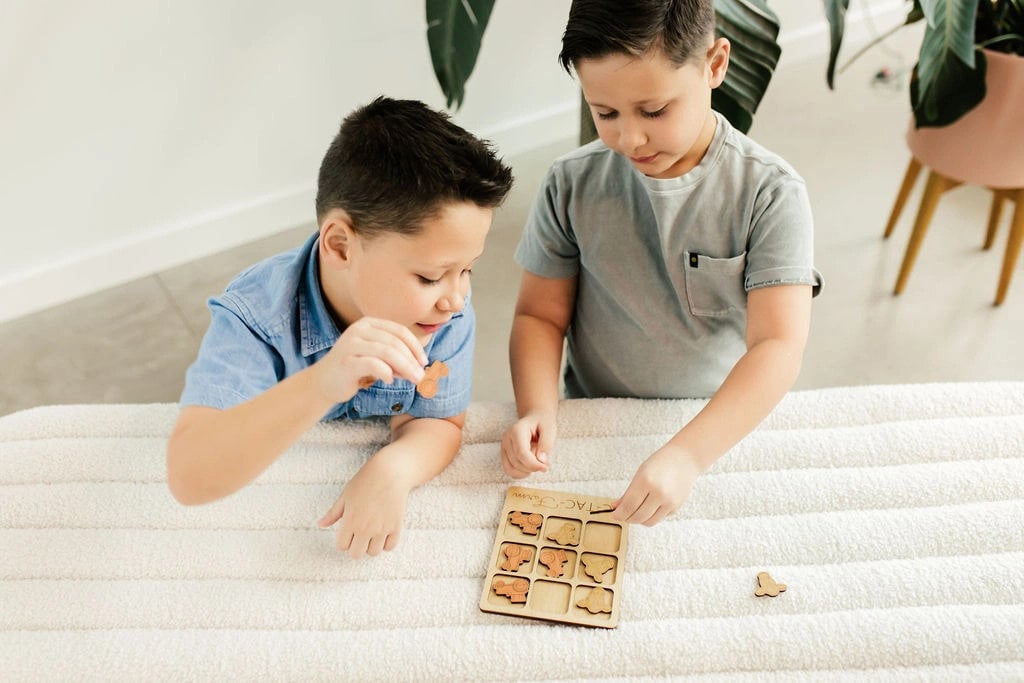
[(451, 264)]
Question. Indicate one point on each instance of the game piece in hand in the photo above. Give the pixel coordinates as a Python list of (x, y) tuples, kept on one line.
[(766, 586), (432, 374), (366, 381)]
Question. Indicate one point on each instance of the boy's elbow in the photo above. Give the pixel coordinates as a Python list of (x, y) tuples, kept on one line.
[(186, 487)]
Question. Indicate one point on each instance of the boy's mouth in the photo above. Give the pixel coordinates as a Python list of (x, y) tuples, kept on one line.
[(430, 328), (644, 160)]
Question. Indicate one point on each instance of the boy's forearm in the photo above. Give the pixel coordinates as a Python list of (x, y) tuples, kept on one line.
[(535, 359), (214, 453), (756, 384), (420, 449)]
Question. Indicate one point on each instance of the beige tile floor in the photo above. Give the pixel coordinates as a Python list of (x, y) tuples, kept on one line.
[(132, 343)]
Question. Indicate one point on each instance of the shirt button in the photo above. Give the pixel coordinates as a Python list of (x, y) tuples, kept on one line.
[(396, 407)]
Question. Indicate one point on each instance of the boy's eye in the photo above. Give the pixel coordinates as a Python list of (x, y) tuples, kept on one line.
[(605, 116), (427, 280), (654, 114)]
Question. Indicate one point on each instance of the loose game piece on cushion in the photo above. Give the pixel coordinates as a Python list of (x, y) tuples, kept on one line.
[(766, 586)]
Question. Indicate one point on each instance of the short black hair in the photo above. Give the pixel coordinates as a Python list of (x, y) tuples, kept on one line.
[(395, 163), (598, 28)]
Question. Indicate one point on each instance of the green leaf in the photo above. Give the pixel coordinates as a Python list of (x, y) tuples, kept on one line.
[(835, 12), (952, 90), (455, 29), (752, 29), (949, 79)]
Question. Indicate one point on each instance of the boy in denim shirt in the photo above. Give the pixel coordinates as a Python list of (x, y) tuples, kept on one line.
[(674, 255), (343, 326)]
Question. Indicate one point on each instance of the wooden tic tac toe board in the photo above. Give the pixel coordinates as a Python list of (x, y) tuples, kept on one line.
[(556, 557)]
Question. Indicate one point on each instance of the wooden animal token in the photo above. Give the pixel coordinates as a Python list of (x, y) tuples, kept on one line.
[(366, 381), (515, 555), (516, 589), (432, 374), (554, 561), (766, 585), (567, 534), (529, 523), (597, 600), (597, 566)]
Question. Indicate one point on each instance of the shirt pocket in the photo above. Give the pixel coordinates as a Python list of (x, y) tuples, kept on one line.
[(714, 286)]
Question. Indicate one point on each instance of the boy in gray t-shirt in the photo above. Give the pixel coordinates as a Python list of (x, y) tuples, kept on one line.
[(674, 255)]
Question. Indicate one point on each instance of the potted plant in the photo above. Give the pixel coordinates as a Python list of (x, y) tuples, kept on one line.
[(959, 38)]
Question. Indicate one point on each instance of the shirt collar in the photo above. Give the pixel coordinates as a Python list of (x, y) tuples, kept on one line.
[(317, 329)]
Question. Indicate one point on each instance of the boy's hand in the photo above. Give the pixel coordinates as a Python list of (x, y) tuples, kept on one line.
[(371, 508), (369, 349), (526, 444), (661, 484)]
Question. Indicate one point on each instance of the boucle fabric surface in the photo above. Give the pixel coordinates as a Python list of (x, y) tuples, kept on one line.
[(895, 515)]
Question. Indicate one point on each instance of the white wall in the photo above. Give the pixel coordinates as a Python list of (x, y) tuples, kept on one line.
[(139, 134)]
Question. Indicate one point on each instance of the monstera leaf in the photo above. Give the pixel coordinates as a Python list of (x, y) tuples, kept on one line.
[(752, 30), (949, 79), (454, 31)]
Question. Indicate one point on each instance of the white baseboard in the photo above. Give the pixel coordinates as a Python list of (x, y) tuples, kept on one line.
[(166, 246), (163, 247)]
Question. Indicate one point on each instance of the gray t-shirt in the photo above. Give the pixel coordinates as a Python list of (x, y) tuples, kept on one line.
[(664, 265)]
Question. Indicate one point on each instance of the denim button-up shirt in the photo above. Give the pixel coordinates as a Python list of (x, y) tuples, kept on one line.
[(272, 321)]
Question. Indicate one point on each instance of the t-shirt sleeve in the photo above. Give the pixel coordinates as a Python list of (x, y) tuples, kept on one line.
[(780, 248), (234, 363), (548, 247)]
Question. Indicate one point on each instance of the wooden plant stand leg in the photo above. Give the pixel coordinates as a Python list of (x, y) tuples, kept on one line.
[(1013, 245), (933, 189), (913, 168), (994, 214)]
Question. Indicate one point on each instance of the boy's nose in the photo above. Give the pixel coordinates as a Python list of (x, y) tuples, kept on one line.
[(631, 136), (452, 301)]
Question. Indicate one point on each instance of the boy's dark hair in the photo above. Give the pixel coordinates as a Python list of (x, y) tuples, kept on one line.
[(395, 163), (598, 28)]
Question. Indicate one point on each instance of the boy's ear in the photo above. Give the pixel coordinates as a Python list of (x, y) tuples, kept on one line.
[(337, 238), (718, 61)]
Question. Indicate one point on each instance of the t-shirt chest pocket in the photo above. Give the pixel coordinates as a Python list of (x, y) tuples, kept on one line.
[(714, 286)]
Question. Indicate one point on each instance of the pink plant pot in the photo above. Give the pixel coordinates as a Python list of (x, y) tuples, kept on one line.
[(986, 145)]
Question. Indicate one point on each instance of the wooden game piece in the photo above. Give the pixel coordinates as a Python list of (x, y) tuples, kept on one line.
[(766, 585), (529, 523), (597, 566), (597, 600), (366, 381), (567, 534), (516, 590), (432, 374), (553, 560), (515, 555), (606, 508)]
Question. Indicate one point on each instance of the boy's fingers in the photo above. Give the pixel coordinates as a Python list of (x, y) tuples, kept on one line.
[(406, 336), (332, 515)]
